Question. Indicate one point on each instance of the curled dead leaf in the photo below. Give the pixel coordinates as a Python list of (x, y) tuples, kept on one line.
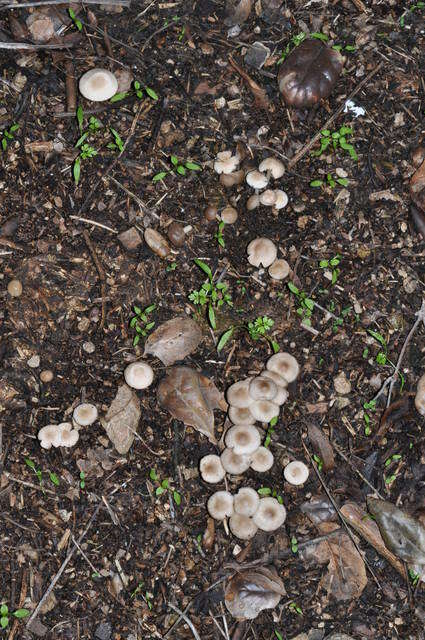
[(321, 446), (173, 340), (252, 590), (237, 11)]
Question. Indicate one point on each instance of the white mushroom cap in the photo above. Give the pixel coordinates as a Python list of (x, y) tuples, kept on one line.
[(49, 436), (138, 375), (242, 526), (264, 410), (229, 215), (268, 198), (285, 365), (420, 396), (261, 251), (262, 389), (85, 414), (238, 394), (257, 180), (262, 460), (296, 472), (270, 514), (246, 501), (225, 162), (69, 438), (243, 439), (279, 269), (277, 379), (281, 199), (220, 505), (273, 166), (234, 464), (281, 396), (253, 202), (239, 415), (98, 85), (211, 469)]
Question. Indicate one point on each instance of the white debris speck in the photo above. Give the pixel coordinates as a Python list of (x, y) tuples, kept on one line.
[(353, 108)]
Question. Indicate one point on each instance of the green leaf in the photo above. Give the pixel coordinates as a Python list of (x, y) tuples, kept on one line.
[(76, 170), (381, 358), (151, 93), (4, 610), (293, 288), (119, 96), (159, 491), (273, 421), (378, 337), (159, 176), (81, 140), (275, 346), (21, 613), (342, 181), (153, 474), (136, 340), (211, 316), (225, 338), (264, 491), (320, 36), (136, 84), (177, 498), (316, 183), (205, 268), (14, 128), (80, 117), (165, 483), (192, 166), (4, 621), (309, 304), (181, 170), (149, 326), (174, 161), (150, 308), (53, 478), (31, 465), (323, 263), (278, 635)]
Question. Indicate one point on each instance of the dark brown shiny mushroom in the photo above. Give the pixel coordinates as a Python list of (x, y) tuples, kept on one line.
[(176, 234)]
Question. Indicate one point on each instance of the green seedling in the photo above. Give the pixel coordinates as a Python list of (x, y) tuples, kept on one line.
[(118, 144), (270, 431), (140, 322), (296, 40), (278, 635), (333, 265), (318, 461), (394, 458), (7, 136), (295, 608), (163, 486), (382, 356), (211, 295), (306, 304), (5, 615), (368, 407), (86, 150), (178, 167), (329, 182), (219, 235), (147, 597), (414, 7), (414, 577), (82, 477), (39, 474), (256, 330), (136, 90), (77, 23), (171, 267), (336, 140), (294, 545), (267, 491)]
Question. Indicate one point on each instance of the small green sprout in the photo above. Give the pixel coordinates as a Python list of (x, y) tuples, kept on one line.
[(163, 486), (330, 182), (178, 167), (371, 407), (7, 136), (267, 491), (295, 41), (270, 431), (306, 304), (4, 615), (335, 140), (171, 267), (140, 322), (318, 461), (278, 635), (74, 19), (136, 90), (118, 144), (219, 235), (414, 577), (256, 330), (212, 294), (332, 264), (82, 480), (294, 545), (295, 608)]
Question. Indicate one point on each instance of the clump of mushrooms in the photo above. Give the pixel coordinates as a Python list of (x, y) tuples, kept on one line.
[(263, 252), (58, 435), (270, 168)]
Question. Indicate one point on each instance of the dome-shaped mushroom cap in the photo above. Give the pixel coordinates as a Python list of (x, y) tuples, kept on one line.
[(257, 180), (138, 375), (69, 438), (234, 464), (85, 414), (279, 269), (238, 394), (262, 460), (49, 436), (261, 251), (239, 415), (274, 166), (242, 526), (281, 199), (211, 469), (246, 501), (264, 410), (243, 439), (98, 85), (296, 472), (285, 365), (220, 505), (262, 388), (281, 396), (229, 215), (225, 162), (268, 198), (270, 514), (253, 202), (277, 379)]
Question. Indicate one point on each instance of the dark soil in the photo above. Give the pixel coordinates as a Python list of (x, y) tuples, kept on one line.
[(154, 544)]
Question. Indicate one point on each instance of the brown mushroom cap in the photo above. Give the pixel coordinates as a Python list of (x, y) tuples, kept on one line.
[(246, 501), (264, 410), (270, 514), (240, 416), (211, 469), (229, 215), (277, 379), (279, 269), (262, 460), (243, 439), (234, 464), (220, 505), (261, 388), (176, 234), (261, 251), (253, 202), (285, 365), (231, 179), (242, 526), (238, 394)]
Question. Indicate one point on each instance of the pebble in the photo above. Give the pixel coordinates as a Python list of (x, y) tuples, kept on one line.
[(257, 55), (14, 288), (341, 173), (34, 362), (88, 346), (130, 239), (46, 375), (84, 324), (341, 384)]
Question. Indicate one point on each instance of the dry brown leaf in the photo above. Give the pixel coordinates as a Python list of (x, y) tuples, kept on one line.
[(417, 187), (321, 446), (252, 590), (191, 398), (237, 11), (122, 419), (174, 340), (346, 577)]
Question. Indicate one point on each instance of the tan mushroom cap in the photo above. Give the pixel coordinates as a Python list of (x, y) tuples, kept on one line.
[(261, 251), (420, 396), (253, 202), (264, 410), (211, 469), (234, 464), (281, 199), (225, 162), (239, 415), (231, 179), (275, 167), (243, 439), (246, 501), (281, 396), (262, 460), (220, 505), (270, 514), (279, 269), (98, 85), (277, 379), (138, 375), (85, 414), (238, 394), (69, 438), (242, 526), (257, 180), (268, 198), (296, 472), (285, 365), (261, 388), (49, 436), (229, 215)]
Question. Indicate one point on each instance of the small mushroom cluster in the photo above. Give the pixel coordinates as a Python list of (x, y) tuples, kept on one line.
[(262, 252), (226, 165), (259, 179), (247, 512)]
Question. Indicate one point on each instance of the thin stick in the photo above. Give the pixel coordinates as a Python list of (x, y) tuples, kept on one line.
[(94, 223), (35, 47), (41, 3), (100, 273), (84, 555), (29, 484), (186, 619), (306, 148)]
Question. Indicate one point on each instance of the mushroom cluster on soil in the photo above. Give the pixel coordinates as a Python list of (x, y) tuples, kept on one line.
[(270, 168), (262, 252)]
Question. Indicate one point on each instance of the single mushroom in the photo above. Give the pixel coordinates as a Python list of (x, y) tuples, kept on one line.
[(242, 526), (420, 396), (277, 379), (296, 472), (273, 167), (270, 514), (257, 180), (211, 469), (138, 375), (262, 460), (210, 213), (98, 85), (238, 394), (14, 288), (69, 438), (85, 414), (264, 410), (239, 415), (243, 439), (253, 202), (229, 215), (176, 234), (268, 198), (246, 501), (220, 505), (279, 269), (225, 162), (231, 179), (285, 365), (261, 251), (281, 199), (234, 464), (262, 389)]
